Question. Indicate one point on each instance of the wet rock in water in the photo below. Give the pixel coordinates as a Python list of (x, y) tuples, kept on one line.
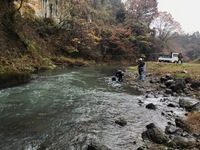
[(162, 113), (170, 129), (151, 106), (42, 147), (121, 121), (150, 96), (164, 99), (171, 105), (156, 135), (196, 107), (97, 146), (142, 148), (92, 147), (195, 85), (170, 123), (151, 126), (187, 103), (168, 91), (182, 142)]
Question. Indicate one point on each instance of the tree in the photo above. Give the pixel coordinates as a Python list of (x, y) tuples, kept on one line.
[(166, 27), (191, 43), (143, 11)]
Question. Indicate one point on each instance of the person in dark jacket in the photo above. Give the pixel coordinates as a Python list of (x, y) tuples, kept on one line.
[(180, 57), (119, 74), (141, 68)]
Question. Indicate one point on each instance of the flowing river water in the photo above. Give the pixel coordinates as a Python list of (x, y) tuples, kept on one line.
[(67, 109)]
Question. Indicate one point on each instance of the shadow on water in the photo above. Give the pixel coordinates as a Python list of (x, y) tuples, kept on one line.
[(68, 109)]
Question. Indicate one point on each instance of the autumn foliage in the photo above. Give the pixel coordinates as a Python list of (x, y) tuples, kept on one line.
[(99, 31)]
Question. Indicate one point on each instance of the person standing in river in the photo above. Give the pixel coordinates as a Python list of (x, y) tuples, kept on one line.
[(141, 68), (119, 74)]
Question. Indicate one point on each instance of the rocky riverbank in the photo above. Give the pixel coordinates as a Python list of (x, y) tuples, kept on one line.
[(10, 77), (171, 93), (172, 98)]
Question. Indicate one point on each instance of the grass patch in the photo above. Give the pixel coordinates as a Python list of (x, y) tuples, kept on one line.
[(193, 122), (177, 70)]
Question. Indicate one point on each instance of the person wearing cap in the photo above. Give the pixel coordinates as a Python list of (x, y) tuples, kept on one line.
[(141, 68)]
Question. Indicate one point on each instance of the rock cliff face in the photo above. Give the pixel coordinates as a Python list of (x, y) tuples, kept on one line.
[(49, 8), (46, 8)]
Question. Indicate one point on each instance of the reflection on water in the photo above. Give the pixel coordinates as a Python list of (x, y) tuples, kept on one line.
[(68, 109)]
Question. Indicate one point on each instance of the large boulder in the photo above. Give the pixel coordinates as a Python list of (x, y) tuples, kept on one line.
[(14, 79), (196, 107), (182, 142), (188, 103), (155, 134), (170, 129), (181, 124), (121, 121), (178, 86), (151, 106), (195, 85)]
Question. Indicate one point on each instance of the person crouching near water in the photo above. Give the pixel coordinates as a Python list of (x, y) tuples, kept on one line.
[(119, 74), (141, 69)]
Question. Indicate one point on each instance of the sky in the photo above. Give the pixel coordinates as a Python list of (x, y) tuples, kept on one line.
[(186, 12)]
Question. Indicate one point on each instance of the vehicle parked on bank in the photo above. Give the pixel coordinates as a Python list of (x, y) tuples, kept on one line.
[(172, 58)]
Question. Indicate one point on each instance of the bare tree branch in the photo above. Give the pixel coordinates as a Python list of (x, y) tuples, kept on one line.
[(20, 6), (166, 27)]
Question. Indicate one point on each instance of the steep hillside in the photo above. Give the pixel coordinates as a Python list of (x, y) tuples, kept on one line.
[(99, 32)]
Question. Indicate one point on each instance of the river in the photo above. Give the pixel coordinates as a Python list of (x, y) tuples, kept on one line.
[(67, 109)]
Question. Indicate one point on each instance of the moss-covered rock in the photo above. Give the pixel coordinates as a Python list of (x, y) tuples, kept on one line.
[(10, 79)]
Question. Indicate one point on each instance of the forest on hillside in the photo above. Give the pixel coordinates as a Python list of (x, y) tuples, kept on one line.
[(94, 31)]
